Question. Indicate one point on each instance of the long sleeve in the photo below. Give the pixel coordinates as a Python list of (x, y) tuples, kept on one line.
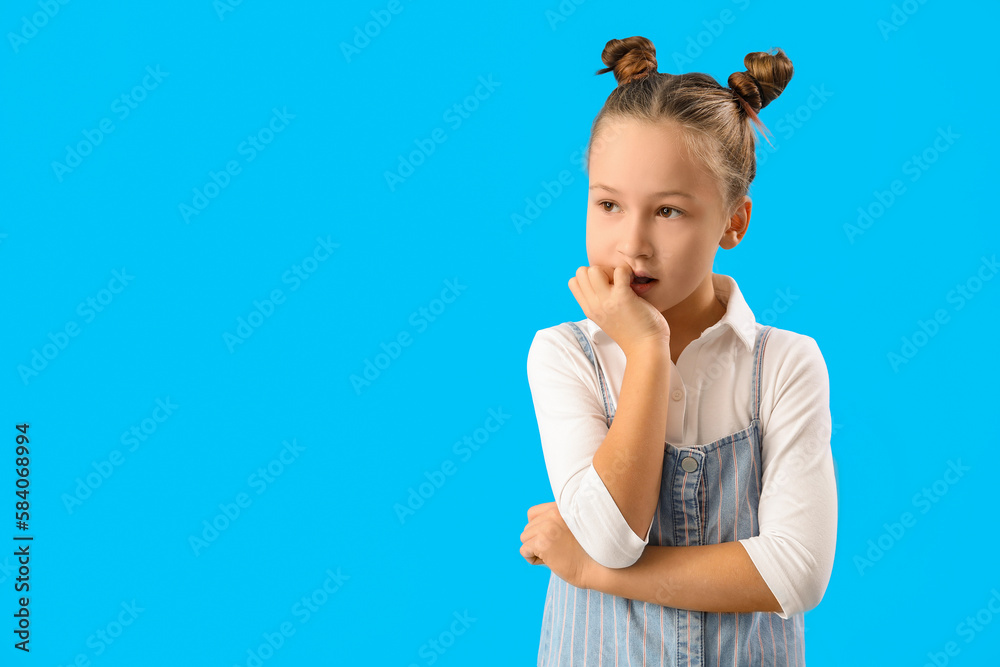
[(572, 425), (797, 512)]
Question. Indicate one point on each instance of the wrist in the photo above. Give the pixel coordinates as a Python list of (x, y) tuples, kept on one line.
[(650, 348), (593, 575)]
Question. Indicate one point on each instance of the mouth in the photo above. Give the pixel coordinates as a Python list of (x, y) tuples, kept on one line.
[(641, 278)]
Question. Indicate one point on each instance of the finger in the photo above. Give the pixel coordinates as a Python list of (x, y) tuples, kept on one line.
[(534, 560), (615, 283), (623, 285), (574, 287), (609, 272), (530, 556), (534, 527), (551, 530), (586, 284), (541, 524), (623, 279), (601, 280), (542, 530), (534, 510)]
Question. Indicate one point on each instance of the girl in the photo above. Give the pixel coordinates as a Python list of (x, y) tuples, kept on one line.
[(696, 503)]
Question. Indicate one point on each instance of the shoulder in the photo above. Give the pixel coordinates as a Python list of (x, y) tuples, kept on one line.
[(562, 336), (558, 346), (792, 357)]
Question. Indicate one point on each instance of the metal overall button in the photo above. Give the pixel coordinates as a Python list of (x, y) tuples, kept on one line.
[(689, 464)]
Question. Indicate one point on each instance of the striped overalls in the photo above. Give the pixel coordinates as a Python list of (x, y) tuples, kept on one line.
[(708, 495)]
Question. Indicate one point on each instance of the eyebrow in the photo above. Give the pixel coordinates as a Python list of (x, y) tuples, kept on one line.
[(665, 193)]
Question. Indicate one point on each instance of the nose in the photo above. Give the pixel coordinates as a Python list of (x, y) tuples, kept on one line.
[(634, 240)]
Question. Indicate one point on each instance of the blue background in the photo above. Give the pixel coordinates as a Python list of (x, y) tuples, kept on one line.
[(331, 506)]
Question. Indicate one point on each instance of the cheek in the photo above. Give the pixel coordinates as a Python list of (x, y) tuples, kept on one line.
[(684, 238), (599, 244), (595, 238)]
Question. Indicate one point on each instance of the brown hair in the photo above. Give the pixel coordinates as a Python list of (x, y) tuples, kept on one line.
[(717, 120)]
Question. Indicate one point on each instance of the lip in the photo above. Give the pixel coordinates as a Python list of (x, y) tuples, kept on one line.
[(642, 289), (641, 274)]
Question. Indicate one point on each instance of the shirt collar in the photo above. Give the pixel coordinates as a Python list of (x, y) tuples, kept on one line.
[(739, 318), (738, 315)]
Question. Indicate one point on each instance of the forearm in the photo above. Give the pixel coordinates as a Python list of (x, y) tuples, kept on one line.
[(630, 460), (711, 577)]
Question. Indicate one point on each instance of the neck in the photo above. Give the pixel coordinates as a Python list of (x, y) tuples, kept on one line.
[(700, 310)]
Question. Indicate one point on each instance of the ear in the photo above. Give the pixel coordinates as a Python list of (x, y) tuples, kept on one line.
[(736, 225)]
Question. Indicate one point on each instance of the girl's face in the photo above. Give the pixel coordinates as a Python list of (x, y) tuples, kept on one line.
[(654, 209)]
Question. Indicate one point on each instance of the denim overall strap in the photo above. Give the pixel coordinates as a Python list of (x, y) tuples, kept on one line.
[(758, 364), (609, 408)]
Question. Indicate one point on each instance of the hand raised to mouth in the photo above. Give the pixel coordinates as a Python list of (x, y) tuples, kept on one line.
[(608, 296)]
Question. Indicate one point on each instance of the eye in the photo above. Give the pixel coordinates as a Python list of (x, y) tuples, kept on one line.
[(603, 206)]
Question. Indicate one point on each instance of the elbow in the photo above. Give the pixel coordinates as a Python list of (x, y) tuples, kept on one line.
[(616, 558), (808, 593), (611, 558), (798, 576), (599, 543), (612, 546), (814, 579), (814, 586)]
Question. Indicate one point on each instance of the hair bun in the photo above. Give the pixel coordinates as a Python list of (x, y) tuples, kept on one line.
[(631, 59), (765, 77)]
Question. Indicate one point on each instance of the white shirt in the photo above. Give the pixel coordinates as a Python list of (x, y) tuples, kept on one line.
[(710, 393)]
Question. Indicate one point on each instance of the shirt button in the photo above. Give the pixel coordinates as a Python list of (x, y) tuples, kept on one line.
[(689, 464), (678, 394)]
